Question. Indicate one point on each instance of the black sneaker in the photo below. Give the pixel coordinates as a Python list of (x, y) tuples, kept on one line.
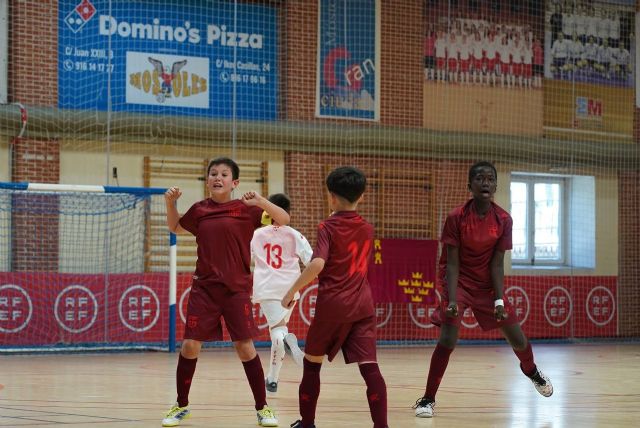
[(271, 386), (424, 407), (298, 424)]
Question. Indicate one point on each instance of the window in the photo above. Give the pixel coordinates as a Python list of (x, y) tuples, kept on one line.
[(553, 220), (537, 208)]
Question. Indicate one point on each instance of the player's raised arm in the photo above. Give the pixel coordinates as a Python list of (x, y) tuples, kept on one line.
[(278, 215), (171, 196)]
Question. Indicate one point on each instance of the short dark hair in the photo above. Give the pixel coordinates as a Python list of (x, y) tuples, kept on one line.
[(235, 169), (348, 182), (482, 164), (281, 200)]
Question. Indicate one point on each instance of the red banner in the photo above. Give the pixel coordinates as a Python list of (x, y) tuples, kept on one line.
[(49, 309), (403, 271)]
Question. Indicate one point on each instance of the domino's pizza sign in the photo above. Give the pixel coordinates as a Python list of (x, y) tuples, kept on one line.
[(80, 15), (207, 58)]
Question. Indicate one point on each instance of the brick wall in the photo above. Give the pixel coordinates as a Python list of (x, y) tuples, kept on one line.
[(35, 232), (33, 52), (629, 250), (305, 174)]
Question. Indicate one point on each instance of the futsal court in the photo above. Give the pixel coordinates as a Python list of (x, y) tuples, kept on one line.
[(595, 386)]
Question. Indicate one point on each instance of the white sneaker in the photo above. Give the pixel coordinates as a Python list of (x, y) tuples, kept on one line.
[(291, 347), (175, 415), (266, 417), (424, 407), (542, 383)]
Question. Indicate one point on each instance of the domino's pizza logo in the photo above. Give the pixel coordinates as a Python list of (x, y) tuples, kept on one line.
[(80, 15)]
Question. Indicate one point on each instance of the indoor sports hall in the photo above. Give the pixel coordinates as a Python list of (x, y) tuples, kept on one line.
[(105, 104)]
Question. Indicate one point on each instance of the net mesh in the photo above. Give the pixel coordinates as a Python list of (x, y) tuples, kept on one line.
[(144, 93), (79, 270)]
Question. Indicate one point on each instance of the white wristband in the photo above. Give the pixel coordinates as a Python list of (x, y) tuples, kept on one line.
[(498, 302)]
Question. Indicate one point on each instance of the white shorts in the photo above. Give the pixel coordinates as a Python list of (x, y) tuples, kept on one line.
[(274, 312)]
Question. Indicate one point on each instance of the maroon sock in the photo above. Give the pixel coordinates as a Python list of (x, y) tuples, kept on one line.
[(184, 374), (309, 391), (255, 376), (376, 393), (525, 356), (439, 362)]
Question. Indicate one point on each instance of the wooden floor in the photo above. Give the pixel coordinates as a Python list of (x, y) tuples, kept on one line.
[(595, 386)]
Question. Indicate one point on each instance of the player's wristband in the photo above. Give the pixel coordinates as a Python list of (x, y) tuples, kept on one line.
[(498, 302)]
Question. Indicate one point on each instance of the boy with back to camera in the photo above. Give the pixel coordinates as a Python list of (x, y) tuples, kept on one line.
[(475, 237), (277, 251), (221, 286), (344, 318)]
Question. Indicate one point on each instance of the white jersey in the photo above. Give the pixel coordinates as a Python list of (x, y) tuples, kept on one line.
[(276, 252), (441, 47), (560, 49), (576, 49), (581, 24), (590, 51)]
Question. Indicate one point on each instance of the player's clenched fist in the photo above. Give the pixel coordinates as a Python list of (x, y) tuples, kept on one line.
[(172, 194), (252, 198)]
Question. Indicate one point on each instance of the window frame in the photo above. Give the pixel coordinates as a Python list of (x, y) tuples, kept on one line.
[(530, 180)]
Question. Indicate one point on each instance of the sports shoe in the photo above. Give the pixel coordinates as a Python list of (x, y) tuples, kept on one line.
[(175, 415), (271, 386), (266, 417), (542, 383), (298, 424), (424, 407), (292, 349)]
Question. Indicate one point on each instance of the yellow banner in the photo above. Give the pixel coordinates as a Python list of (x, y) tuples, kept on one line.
[(588, 112)]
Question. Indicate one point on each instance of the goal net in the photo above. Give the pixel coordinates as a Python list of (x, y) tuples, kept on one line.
[(83, 269)]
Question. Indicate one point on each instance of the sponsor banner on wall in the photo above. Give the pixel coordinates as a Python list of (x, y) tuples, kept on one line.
[(591, 43), (588, 112), (196, 58), (483, 68), (348, 78)]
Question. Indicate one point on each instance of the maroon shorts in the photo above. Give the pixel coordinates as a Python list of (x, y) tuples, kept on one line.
[(208, 303), (480, 302), (356, 339)]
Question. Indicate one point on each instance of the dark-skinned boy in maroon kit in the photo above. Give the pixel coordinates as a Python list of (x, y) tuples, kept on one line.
[(221, 286), (471, 273), (344, 318)]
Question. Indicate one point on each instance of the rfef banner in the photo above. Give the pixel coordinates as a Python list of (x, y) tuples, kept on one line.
[(403, 270), (193, 58), (348, 81)]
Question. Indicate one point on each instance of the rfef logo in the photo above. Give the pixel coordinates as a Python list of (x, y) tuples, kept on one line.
[(589, 108), (78, 17), (76, 308), (15, 308)]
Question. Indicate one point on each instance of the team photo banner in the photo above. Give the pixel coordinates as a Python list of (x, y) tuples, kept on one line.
[(348, 81), (193, 58)]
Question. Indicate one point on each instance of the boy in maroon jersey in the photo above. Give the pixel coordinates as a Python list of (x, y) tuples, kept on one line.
[(221, 286), (471, 272), (344, 317)]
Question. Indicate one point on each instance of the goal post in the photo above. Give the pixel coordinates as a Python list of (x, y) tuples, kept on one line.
[(85, 267)]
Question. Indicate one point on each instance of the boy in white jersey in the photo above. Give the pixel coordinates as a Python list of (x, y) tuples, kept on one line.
[(276, 251)]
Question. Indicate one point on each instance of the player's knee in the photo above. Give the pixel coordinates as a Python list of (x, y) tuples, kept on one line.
[(190, 348)]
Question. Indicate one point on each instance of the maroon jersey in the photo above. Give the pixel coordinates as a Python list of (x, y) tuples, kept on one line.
[(476, 239), (345, 243), (223, 233)]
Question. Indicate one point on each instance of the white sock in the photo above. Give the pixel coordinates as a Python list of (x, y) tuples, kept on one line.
[(277, 352)]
